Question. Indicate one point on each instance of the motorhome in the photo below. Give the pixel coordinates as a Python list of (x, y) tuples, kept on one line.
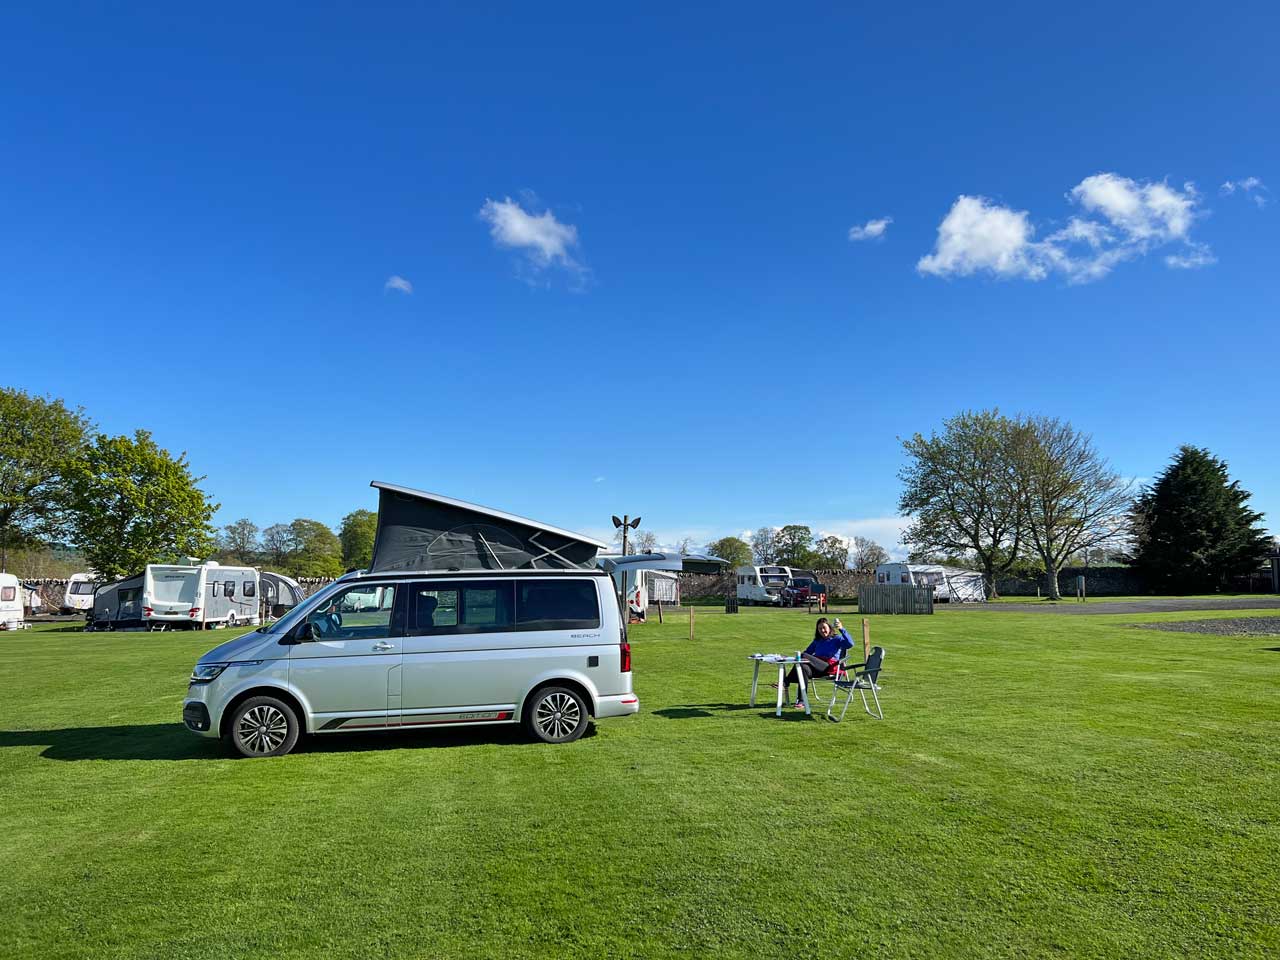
[(11, 617), (78, 597), (950, 584), (166, 595), (762, 585), (467, 616)]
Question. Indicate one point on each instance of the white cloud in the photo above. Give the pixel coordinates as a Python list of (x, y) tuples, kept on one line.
[(397, 282), (1127, 219), (1196, 256), (1247, 185), (871, 230), (979, 235), (886, 531), (541, 238), (598, 480)]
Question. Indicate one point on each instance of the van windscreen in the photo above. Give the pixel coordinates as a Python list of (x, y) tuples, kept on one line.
[(82, 587)]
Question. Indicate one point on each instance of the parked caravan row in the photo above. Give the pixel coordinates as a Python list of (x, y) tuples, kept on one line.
[(173, 595), (950, 584)]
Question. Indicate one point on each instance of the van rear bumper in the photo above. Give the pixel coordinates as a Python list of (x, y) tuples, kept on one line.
[(620, 705)]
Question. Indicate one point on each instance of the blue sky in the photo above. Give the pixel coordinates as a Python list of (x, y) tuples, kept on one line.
[(702, 266)]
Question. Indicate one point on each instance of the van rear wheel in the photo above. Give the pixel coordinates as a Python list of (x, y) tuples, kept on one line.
[(264, 727), (556, 715)]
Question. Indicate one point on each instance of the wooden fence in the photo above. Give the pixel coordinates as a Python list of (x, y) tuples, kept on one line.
[(894, 598)]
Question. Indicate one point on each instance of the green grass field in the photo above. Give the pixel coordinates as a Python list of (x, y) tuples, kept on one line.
[(1042, 785)]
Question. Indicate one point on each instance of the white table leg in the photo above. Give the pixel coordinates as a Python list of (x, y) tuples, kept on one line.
[(755, 679), (804, 691), (782, 679)]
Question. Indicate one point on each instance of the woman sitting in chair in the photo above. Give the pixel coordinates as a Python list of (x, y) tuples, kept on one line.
[(821, 656)]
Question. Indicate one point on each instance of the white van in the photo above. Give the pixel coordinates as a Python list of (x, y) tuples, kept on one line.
[(467, 617), (544, 648), (78, 597)]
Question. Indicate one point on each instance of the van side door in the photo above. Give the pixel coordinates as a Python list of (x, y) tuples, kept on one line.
[(460, 652), (347, 665)]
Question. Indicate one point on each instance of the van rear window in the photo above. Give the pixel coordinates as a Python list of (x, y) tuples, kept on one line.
[(557, 605), (8, 594)]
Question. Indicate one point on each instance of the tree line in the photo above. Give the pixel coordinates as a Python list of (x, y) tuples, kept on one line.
[(1008, 492)]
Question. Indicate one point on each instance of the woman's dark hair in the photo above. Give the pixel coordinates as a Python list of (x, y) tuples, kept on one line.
[(817, 628)]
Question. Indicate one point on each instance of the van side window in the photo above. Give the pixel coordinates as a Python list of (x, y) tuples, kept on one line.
[(364, 611), (248, 588), (557, 605), (474, 606), (229, 588), (7, 594), (215, 588)]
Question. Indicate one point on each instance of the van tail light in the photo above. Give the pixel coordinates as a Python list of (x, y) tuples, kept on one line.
[(193, 612), (625, 647), (148, 611)]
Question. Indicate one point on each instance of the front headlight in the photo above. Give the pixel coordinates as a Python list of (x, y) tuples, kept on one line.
[(204, 672)]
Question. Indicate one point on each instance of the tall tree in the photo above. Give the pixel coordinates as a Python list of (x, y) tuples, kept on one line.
[(867, 554), (794, 544), (733, 550), (134, 503), (685, 546), (357, 533), (962, 490), (638, 541), (1193, 529), (831, 552), (240, 539), (277, 541), (40, 440), (1071, 498), (764, 545), (317, 551)]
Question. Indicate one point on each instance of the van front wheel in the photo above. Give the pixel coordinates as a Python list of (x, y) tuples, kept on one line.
[(264, 727), (556, 715)]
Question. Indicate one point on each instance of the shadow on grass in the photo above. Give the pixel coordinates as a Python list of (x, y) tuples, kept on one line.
[(170, 741), (694, 711)]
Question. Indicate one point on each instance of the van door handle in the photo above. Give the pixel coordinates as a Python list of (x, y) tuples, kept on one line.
[(382, 645)]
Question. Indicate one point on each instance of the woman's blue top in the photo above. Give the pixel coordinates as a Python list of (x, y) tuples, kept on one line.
[(831, 648)]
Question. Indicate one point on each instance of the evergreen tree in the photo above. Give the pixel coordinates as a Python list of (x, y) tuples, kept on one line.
[(1193, 529)]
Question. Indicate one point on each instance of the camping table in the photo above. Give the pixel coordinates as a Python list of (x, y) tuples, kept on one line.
[(783, 663)]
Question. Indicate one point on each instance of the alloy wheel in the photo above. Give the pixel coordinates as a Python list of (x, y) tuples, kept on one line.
[(557, 715), (262, 729)]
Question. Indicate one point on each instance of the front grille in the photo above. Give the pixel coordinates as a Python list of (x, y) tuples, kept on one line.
[(196, 716)]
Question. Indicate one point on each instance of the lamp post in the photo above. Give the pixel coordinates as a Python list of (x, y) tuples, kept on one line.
[(625, 524)]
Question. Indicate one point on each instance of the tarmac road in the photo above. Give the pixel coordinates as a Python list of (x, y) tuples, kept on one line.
[(1154, 605)]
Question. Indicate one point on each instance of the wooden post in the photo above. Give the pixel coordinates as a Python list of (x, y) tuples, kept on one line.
[(691, 621), (866, 639), (659, 610)]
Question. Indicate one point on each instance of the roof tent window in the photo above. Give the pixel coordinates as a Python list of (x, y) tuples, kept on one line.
[(557, 605)]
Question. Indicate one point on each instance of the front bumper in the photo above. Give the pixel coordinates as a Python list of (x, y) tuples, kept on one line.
[(620, 705)]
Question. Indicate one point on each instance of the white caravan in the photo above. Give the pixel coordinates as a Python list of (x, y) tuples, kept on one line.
[(950, 584), (10, 603), (199, 596), (179, 595), (762, 585), (78, 597)]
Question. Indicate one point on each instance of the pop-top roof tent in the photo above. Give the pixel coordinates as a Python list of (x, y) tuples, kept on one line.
[(426, 531)]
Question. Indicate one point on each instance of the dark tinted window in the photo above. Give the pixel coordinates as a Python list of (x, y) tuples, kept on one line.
[(473, 606), (557, 605), (248, 588), (229, 588)]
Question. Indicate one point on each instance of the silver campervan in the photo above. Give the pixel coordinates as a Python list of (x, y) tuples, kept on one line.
[(466, 617)]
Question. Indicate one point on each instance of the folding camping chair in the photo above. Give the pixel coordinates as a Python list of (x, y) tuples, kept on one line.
[(861, 677), (839, 672)]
